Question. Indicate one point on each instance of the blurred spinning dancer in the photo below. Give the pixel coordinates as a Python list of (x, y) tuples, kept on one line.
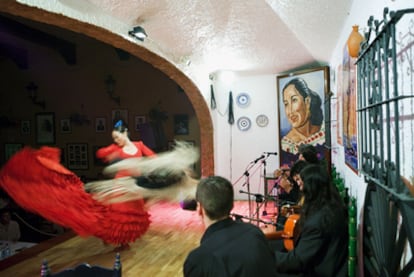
[(123, 148), (37, 182)]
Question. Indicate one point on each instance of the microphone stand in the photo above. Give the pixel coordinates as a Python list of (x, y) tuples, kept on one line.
[(265, 185), (247, 182), (259, 202)]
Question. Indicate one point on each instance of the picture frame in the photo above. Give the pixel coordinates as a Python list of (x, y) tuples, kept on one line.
[(119, 114), (45, 128), (349, 112), (77, 156), (25, 128), (139, 120), (181, 124), (100, 124), (10, 149), (65, 126), (308, 110)]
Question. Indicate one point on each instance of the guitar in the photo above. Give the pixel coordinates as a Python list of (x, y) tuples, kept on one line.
[(287, 234)]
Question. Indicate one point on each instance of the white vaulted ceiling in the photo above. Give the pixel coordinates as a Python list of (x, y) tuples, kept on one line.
[(252, 36)]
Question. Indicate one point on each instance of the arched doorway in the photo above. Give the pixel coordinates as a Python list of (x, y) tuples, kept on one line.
[(98, 33)]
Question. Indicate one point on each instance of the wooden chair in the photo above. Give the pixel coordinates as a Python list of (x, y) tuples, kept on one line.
[(85, 270)]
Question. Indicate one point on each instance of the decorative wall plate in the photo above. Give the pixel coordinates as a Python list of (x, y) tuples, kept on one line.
[(262, 120), (244, 123), (243, 100)]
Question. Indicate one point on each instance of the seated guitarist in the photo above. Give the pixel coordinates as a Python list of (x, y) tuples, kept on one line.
[(291, 200), (321, 247), (289, 208)]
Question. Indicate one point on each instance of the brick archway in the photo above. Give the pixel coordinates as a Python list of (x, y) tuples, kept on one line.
[(98, 33)]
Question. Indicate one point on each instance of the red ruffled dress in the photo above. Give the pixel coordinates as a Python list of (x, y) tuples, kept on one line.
[(113, 153), (37, 181)]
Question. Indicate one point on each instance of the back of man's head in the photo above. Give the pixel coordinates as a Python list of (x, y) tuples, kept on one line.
[(215, 194)]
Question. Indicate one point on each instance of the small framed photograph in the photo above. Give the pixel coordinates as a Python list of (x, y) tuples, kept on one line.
[(181, 124), (45, 128), (119, 115), (77, 156), (100, 124), (25, 127), (10, 149), (139, 120), (65, 127)]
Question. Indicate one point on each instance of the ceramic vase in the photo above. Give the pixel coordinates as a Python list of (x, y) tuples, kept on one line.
[(354, 42)]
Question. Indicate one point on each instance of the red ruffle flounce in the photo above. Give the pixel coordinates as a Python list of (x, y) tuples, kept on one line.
[(37, 181)]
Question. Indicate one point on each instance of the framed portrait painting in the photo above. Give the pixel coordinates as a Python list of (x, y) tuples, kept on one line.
[(45, 128), (65, 127), (25, 127), (349, 111), (139, 121), (100, 124), (119, 115), (302, 98), (181, 122)]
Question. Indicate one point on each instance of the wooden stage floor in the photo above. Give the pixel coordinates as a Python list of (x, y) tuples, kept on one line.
[(173, 233)]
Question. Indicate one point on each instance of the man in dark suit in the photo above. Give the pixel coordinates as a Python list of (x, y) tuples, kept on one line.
[(321, 244), (228, 248)]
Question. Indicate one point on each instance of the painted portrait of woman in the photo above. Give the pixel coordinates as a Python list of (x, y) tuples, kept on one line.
[(301, 113)]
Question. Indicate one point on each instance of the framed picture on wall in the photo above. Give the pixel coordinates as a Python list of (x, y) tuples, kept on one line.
[(349, 112), (119, 115), (25, 127), (302, 97), (77, 156), (10, 149), (45, 128), (139, 120), (65, 127), (100, 124), (181, 124)]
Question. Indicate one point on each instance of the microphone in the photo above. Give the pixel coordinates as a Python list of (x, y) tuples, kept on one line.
[(258, 159), (271, 153)]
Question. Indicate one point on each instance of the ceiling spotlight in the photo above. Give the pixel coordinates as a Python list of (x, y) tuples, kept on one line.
[(138, 32)]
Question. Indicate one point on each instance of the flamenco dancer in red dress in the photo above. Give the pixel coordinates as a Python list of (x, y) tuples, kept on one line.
[(37, 181), (124, 148)]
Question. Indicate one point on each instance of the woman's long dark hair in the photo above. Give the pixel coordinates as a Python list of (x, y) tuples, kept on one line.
[(320, 193)]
